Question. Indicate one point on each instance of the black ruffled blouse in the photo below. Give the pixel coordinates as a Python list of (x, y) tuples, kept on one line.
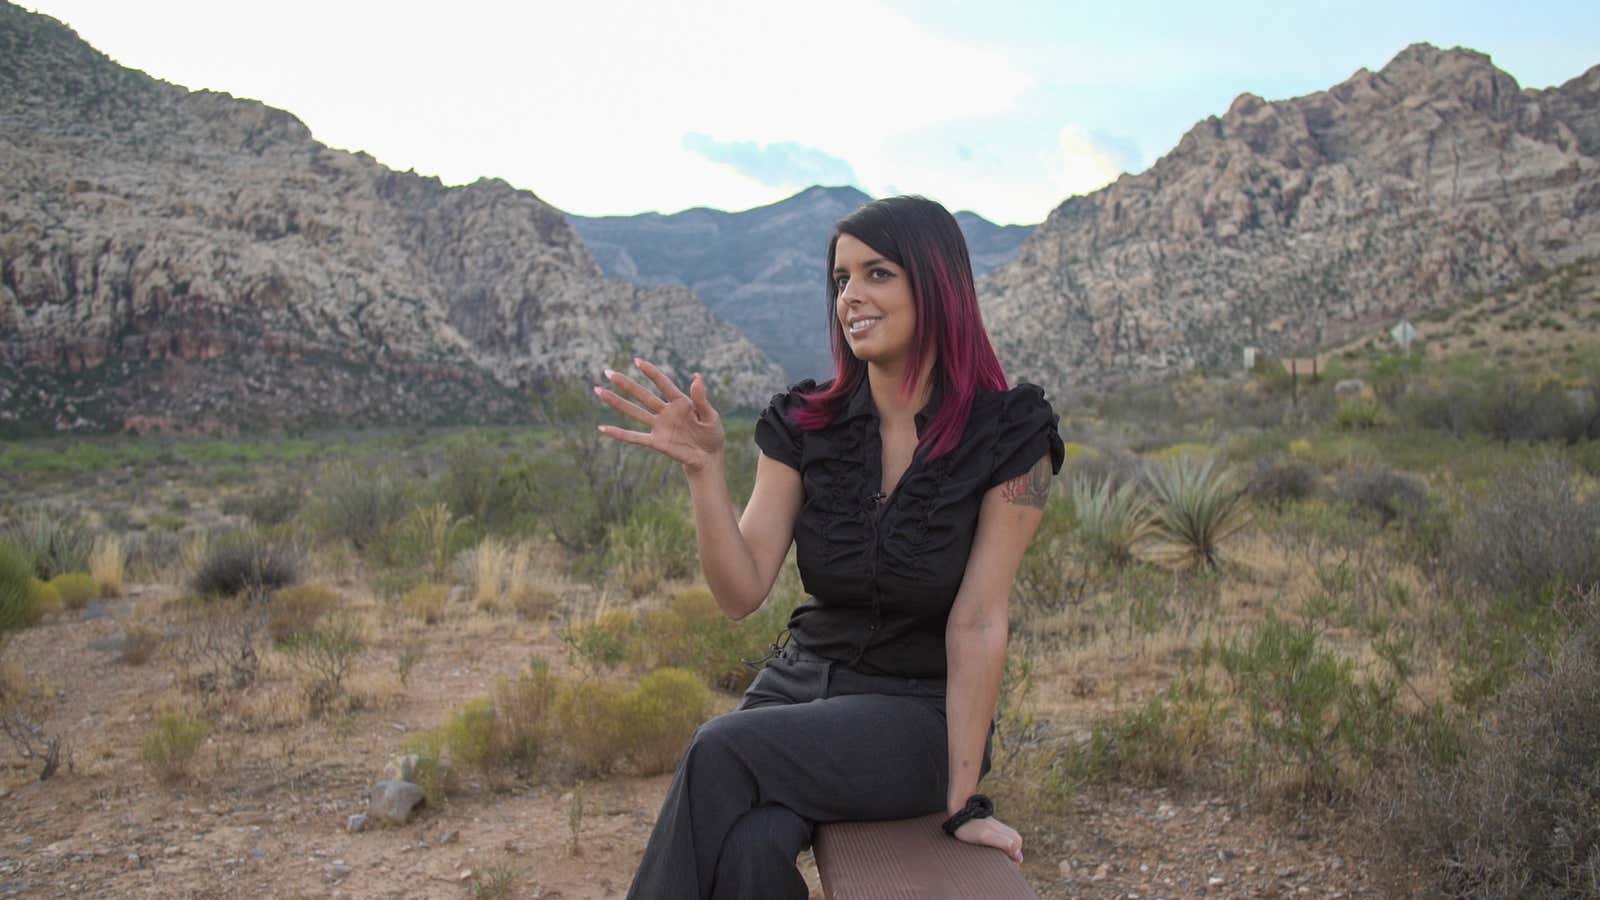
[(882, 573)]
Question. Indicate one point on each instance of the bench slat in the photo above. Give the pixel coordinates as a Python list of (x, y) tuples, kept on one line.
[(911, 859)]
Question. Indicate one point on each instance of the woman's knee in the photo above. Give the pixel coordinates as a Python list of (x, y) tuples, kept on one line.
[(769, 829)]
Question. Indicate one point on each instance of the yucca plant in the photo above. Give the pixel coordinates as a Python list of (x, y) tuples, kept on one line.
[(1112, 519), (1198, 506)]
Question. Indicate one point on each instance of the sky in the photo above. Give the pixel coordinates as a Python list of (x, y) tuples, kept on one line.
[(616, 107)]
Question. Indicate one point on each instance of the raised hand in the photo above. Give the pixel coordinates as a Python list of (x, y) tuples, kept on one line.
[(682, 426), (992, 832)]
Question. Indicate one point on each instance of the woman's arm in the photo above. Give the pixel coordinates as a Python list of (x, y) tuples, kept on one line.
[(741, 558), (975, 638)]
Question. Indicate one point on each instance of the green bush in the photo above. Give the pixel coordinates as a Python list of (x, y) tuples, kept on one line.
[(654, 544), (75, 589), (659, 717), (276, 504), (18, 605), (1384, 493), (326, 654), (359, 504), (171, 746), (1356, 413), (1516, 814), (1113, 520), (692, 632), (1307, 712), (1279, 480), (1197, 507), (646, 728), (1530, 531), (433, 772), (52, 542), (245, 561), (603, 642)]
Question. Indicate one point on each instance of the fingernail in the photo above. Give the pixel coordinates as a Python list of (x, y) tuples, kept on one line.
[(597, 390), (609, 373), (637, 361)]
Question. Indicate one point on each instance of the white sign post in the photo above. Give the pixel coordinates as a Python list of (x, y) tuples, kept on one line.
[(1403, 334)]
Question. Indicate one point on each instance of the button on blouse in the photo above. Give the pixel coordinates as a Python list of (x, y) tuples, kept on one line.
[(882, 573)]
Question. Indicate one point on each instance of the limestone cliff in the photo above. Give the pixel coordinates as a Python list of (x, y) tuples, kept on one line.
[(185, 259), (1292, 224)]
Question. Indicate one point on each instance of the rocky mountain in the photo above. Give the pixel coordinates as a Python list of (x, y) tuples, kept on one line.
[(185, 259), (761, 269), (1293, 224)]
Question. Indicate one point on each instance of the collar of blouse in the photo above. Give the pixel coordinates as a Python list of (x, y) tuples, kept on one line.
[(860, 404)]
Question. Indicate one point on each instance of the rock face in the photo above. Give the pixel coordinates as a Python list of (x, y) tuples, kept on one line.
[(177, 259), (761, 269), (1292, 224)]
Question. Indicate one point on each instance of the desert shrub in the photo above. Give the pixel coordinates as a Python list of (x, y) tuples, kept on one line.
[(325, 654), (655, 543), (470, 485), (1515, 815), (534, 603), (1113, 519), (1356, 413), (220, 638), (1309, 715), (152, 553), (1516, 409), (139, 643), (244, 561), (44, 599), (692, 632), (171, 745), (275, 505), (1197, 507), (525, 713), (1280, 480), (25, 706), (108, 564), (590, 714), (433, 771), (469, 734), (359, 504), (659, 717), (19, 606), (426, 602), (647, 727), (53, 542), (75, 589), (604, 641), (293, 611), (1383, 492), (584, 482), (1528, 531)]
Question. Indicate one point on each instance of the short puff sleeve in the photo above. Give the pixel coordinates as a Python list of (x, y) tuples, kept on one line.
[(776, 435), (1026, 431)]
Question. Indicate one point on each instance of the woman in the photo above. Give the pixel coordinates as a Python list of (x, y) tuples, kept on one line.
[(910, 483)]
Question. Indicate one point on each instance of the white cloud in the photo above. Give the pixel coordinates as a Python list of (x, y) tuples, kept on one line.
[(1085, 162), (584, 103)]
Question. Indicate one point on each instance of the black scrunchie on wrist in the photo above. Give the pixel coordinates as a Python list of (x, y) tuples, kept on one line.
[(978, 807)]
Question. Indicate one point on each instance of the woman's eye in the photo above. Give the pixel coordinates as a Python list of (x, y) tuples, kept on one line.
[(882, 274), (839, 281)]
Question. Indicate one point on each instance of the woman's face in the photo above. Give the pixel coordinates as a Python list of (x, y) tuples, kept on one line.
[(875, 293)]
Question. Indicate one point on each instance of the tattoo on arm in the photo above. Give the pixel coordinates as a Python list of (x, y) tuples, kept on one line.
[(1031, 488)]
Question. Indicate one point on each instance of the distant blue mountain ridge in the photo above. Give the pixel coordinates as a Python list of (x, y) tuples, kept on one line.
[(761, 270)]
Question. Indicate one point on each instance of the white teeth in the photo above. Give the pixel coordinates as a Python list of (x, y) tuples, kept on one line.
[(861, 324)]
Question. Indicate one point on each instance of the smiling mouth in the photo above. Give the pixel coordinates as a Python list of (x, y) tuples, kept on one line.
[(861, 326)]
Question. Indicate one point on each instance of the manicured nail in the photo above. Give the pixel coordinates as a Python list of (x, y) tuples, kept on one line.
[(638, 362), (597, 390), (609, 374)]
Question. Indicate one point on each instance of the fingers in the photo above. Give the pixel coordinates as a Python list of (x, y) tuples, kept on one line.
[(635, 390), (697, 393), (641, 438), (668, 390)]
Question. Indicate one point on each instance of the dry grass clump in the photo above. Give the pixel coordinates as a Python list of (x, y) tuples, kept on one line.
[(108, 564), (426, 602), (139, 643), (293, 611), (506, 575), (511, 730)]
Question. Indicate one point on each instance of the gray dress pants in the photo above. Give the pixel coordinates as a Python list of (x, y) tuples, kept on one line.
[(812, 741)]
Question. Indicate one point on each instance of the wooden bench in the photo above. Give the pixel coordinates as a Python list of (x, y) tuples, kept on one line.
[(911, 859)]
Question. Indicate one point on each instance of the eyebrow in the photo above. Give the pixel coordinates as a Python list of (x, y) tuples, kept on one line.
[(871, 262)]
